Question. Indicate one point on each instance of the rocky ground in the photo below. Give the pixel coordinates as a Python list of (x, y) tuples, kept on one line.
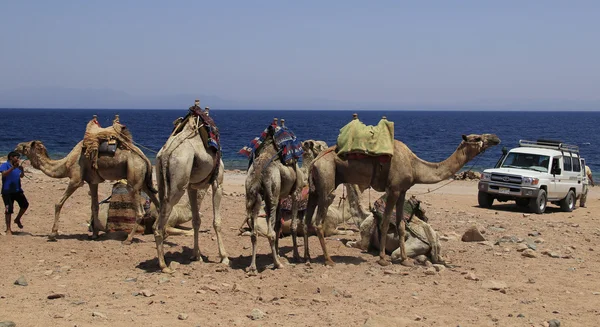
[(531, 270)]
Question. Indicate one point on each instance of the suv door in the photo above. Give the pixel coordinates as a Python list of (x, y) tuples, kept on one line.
[(553, 186)]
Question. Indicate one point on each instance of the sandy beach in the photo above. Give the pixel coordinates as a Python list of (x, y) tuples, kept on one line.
[(102, 281)]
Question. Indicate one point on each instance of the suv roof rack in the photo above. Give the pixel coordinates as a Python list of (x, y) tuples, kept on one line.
[(549, 144)]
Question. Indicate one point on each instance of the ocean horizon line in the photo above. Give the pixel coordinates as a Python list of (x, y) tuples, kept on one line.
[(325, 110)]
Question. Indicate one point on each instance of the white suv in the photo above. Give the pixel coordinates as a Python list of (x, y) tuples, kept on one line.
[(533, 174)]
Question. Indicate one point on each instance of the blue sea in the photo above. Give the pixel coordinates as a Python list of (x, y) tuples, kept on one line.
[(432, 135)]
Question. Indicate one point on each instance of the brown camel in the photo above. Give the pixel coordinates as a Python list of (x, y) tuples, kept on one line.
[(125, 164), (270, 180), (185, 163), (394, 177)]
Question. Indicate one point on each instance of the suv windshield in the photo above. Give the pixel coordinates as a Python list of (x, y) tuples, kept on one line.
[(527, 161)]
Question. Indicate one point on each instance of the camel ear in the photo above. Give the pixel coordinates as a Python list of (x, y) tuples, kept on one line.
[(464, 137), (32, 144)]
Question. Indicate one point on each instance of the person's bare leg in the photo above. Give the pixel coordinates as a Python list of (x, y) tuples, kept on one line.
[(8, 230), (19, 215)]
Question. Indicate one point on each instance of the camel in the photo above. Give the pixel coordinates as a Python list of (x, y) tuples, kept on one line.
[(181, 214), (394, 177), (186, 163), (421, 239), (125, 164), (270, 180)]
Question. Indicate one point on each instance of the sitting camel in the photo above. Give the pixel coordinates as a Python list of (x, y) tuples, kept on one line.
[(190, 160), (270, 180), (394, 177), (181, 214), (421, 239), (126, 163)]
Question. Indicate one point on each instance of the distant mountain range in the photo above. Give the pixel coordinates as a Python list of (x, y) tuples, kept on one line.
[(59, 97)]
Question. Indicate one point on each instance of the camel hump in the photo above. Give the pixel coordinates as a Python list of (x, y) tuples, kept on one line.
[(358, 138)]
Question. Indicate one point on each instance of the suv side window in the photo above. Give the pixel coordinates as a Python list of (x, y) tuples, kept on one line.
[(576, 164), (567, 162)]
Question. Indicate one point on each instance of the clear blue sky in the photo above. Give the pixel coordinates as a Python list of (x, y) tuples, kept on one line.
[(394, 52)]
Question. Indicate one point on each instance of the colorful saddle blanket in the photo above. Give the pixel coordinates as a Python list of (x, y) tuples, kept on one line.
[(286, 203), (285, 140)]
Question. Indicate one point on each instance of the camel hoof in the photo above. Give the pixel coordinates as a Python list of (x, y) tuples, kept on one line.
[(330, 263), (52, 238), (126, 242), (167, 270), (251, 272), (278, 265), (383, 262), (225, 261), (196, 258), (407, 263)]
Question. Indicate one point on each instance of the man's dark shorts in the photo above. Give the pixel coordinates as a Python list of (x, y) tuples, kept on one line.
[(9, 201)]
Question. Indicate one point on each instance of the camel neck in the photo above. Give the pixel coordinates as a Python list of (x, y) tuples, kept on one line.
[(52, 168), (433, 172)]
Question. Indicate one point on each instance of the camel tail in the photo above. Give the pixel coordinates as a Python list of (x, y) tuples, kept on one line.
[(149, 183)]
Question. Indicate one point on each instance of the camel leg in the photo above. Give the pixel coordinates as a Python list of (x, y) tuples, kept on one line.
[(95, 207), (271, 203), (71, 188), (321, 214), (160, 234), (278, 228), (308, 222), (177, 231), (196, 221), (401, 229), (390, 204), (252, 208), (294, 226), (217, 189)]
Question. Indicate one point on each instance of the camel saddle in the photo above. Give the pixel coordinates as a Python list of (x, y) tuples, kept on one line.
[(105, 141), (357, 140)]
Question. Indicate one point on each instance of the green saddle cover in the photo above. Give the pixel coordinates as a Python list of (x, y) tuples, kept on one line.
[(358, 138)]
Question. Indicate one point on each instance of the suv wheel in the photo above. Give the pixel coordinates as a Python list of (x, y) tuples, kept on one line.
[(568, 203), (538, 205), (485, 200)]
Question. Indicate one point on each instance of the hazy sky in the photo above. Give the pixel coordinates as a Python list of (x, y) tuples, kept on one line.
[(443, 52)]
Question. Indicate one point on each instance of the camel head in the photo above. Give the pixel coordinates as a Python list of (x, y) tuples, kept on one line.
[(30, 148), (476, 144), (312, 149), (417, 209)]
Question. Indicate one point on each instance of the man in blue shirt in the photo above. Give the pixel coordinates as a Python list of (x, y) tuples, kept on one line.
[(12, 172)]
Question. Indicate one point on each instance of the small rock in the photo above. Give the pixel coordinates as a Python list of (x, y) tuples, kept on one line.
[(595, 293), (222, 268), (55, 296), (200, 292), (522, 247), (471, 276), (540, 240), (147, 293), (554, 323), (532, 246), (48, 272), (430, 271), (472, 235), (99, 314), (421, 259), (130, 280), (182, 316), (494, 285), (439, 268), (526, 214), (163, 280), (520, 315), (256, 314), (7, 324), (529, 253), (21, 281), (534, 234)]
